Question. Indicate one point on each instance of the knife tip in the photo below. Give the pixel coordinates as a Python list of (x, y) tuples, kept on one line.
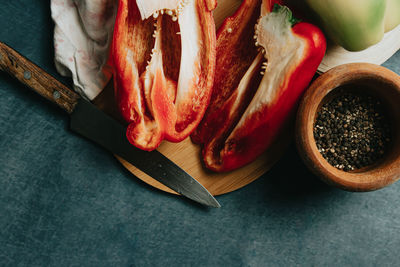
[(214, 203), (217, 205)]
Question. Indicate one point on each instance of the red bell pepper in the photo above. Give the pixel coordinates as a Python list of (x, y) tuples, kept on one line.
[(248, 111), (163, 54)]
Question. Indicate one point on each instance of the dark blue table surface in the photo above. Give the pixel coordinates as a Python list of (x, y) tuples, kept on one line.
[(66, 202)]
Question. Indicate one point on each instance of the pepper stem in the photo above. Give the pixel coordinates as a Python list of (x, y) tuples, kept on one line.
[(287, 12)]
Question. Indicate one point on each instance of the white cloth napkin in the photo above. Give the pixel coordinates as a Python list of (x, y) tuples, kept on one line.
[(82, 37)]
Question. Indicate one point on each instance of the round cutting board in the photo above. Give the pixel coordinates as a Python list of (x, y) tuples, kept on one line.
[(187, 155)]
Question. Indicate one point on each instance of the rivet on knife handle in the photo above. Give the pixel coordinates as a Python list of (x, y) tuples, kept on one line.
[(35, 78)]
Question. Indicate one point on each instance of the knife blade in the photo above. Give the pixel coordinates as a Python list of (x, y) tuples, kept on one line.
[(92, 123)]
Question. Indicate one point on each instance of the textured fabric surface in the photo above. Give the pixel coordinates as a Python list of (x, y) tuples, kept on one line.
[(66, 202)]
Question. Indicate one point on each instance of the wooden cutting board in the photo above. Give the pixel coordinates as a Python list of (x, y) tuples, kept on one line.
[(187, 155)]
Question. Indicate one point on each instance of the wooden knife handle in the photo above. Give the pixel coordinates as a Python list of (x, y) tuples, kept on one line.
[(37, 79)]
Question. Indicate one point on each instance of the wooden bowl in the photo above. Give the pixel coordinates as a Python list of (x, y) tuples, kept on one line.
[(374, 80)]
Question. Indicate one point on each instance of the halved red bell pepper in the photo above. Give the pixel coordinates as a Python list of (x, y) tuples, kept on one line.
[(248, 111), (163, 54)]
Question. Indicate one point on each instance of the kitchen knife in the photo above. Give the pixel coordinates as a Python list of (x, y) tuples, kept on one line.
[(89, 121)]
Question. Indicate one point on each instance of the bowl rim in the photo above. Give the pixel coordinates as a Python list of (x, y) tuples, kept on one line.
[(374, 178)]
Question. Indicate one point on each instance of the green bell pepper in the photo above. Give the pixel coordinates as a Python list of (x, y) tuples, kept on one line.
[(392, 15), (356, 24)]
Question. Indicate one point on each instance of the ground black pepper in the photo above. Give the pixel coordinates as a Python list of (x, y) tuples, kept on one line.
[(352, 131)]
